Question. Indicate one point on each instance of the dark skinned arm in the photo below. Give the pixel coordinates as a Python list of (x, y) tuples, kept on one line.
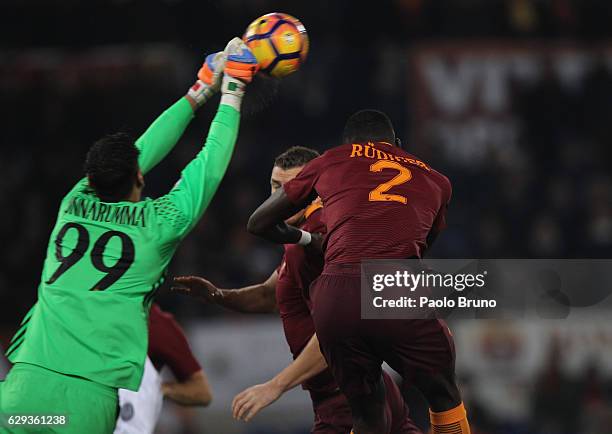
[(268, 221), (259, 298)]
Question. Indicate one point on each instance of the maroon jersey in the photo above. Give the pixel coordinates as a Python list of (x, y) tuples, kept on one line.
[(168, 345), (299, 268), (380, 201)]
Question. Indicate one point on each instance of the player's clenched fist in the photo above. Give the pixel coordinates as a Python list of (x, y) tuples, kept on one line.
[(197, 287), (239, 69), (241, 63), (229, 70), (209, 78)]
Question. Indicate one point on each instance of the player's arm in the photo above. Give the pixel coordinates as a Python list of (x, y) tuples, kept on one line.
[(164, 133), (168, 343), (195, 390), (268, 221), (251, 401), (259, 298), (202, 176), (159, 139)]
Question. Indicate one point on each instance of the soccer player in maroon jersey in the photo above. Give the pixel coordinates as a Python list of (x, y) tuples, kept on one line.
[(168, 346), (380, 202), (284, 291)]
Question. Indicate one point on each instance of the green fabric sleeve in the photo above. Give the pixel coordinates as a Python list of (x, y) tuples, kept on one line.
[(163, 134), (159, 139), (201, 177)]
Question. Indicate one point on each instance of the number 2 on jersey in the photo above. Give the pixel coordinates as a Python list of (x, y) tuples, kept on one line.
[(379, 194), (113, 273)]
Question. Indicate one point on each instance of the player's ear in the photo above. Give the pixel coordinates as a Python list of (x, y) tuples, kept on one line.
[(140, 179)]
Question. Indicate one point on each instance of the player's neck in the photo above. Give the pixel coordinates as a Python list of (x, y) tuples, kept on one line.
[(135, 195)]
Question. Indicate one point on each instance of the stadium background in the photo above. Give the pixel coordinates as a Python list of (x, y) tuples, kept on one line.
[(511, 98)]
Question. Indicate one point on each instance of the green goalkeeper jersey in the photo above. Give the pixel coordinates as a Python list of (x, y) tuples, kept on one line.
[(106, 260)]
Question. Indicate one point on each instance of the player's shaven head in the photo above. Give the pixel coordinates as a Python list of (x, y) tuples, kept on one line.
[(112, 167), (368, 126), (296, 156)]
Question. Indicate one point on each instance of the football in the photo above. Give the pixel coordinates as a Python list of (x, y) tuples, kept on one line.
[(279, 42)]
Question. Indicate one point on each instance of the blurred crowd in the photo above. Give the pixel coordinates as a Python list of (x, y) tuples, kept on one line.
[(559, 401), (77, 24), (77, 70)]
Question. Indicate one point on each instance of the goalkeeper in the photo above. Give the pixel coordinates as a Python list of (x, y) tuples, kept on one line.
[(86, 336)]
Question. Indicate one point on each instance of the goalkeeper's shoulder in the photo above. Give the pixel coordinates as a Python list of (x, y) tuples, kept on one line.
[(80, 188), (171, 222)]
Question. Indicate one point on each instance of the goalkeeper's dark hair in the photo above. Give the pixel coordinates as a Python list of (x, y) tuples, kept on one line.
[(368, 126), (263, 92), (296, 156), (112, 167)]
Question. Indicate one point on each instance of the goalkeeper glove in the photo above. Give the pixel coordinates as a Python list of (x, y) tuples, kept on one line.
[(209, 78), (241, 63), (240, 67)]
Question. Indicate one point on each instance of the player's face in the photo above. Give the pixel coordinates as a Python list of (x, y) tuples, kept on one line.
[(281, 176), (278, 179)]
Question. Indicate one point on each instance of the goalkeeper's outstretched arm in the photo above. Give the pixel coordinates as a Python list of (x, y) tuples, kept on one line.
[(258, 298), (202, 176), (165, 132), (159, 139)]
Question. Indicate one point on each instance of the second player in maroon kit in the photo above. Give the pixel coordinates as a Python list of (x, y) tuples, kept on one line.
[(299, 268), (168, 347), (380, 203), (289, 283)]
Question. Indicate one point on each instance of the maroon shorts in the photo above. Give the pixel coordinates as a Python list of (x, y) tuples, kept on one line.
[(397, 411), (356, 348), (333, 413)]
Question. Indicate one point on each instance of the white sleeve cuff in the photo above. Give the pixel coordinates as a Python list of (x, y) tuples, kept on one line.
[(305, 239), (231, 100)]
